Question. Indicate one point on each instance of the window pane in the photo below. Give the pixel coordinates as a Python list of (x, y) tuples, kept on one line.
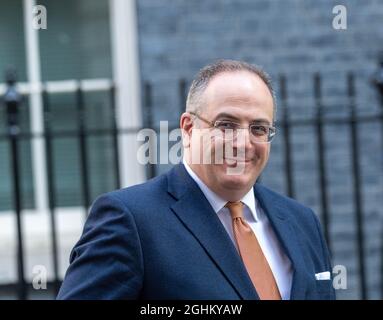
[(100, 166), (12, 49), (101, 156), (25, 163), (76, 43), (65, 149)]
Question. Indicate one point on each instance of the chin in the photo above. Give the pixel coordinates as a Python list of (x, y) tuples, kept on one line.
[(236, 181)]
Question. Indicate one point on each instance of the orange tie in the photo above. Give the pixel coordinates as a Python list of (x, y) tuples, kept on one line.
[(252, 256)]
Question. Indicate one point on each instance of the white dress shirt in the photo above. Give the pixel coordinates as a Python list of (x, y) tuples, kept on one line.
[(279, 262)]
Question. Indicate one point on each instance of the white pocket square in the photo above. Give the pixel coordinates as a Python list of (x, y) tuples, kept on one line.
[(323, 275)]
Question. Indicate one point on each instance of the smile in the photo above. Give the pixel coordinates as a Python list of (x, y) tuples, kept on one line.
[(238, 160)]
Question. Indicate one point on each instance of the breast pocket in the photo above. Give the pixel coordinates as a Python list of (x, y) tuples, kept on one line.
[(325, 289)]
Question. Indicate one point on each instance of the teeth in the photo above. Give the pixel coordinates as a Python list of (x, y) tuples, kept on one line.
[(234, 159)]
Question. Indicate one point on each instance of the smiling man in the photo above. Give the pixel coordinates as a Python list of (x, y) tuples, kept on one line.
[(206, 229)]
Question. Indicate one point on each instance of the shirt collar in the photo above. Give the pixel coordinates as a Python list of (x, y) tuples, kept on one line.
[(216, 201)]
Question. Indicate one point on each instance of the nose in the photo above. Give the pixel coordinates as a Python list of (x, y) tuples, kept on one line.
[(243, 137), (242, 143)]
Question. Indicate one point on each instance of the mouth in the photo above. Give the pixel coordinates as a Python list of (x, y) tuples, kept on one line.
[(231, 161)]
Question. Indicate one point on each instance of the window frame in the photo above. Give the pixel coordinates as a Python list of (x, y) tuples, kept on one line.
[(126, 79)]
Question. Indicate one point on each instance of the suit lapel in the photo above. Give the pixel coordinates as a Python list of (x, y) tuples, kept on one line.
[(284, 229), (195, 212)]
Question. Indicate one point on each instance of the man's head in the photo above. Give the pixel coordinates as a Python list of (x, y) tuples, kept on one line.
[(228, 92)]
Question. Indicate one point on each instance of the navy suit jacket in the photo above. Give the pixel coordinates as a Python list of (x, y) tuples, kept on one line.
[(162, 240)]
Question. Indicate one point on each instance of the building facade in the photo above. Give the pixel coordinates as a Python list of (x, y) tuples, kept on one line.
[(160, 42)]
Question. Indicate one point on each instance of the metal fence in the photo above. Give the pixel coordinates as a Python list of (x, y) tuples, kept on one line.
[(319, 122), (82, 134)]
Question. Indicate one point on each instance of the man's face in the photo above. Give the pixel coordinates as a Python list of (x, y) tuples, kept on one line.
[(240, 97)]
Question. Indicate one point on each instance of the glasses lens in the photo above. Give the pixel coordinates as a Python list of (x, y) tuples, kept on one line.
[(259, 133), (230, 130)]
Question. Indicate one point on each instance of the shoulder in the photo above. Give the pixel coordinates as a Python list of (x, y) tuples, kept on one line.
[(132, 198), (144, 189)]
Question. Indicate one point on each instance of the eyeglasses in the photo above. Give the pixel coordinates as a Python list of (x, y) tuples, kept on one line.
[(259, 133)]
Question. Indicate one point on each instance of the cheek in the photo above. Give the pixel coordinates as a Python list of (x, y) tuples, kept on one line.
[(186, 141), (260, 158), (205, 148), (213, 147), (218, 145), (196, 142), (262, 151)]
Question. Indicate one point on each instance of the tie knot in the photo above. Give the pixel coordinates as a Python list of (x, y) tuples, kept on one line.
[(235, 208)]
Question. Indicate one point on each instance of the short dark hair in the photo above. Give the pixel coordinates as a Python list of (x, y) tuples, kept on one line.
[(203, 77)]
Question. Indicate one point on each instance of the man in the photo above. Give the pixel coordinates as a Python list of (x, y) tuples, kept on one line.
[(206, 230)]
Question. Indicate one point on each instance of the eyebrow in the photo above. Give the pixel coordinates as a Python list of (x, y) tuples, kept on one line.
[(232, 117)]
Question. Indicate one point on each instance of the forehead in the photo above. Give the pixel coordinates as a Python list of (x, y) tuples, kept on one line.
[(241, 91), (237, 86)]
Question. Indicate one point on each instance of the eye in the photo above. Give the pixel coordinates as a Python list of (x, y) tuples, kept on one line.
[(259, 130), (226, 125)]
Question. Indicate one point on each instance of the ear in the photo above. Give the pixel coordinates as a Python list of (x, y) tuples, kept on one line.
[(186, 125)]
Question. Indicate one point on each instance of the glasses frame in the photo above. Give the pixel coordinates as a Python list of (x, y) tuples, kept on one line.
[(213, 124)]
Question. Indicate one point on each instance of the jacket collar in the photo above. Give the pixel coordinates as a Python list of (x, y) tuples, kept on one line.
[(279, 215), (195, 212)]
